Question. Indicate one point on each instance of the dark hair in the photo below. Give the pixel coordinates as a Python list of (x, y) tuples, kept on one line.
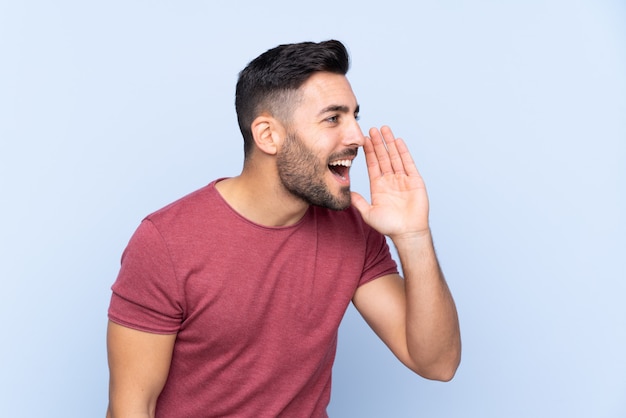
[(268, 82)]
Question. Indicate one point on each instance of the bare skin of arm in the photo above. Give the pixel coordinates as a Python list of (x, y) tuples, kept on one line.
[(416, 316), (139, 363)]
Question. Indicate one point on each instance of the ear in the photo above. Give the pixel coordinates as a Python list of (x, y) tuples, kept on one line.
[(268, 133)]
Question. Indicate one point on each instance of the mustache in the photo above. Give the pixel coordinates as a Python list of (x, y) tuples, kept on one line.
[(347, 153)]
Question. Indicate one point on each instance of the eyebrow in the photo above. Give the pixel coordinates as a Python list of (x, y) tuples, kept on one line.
[(339, 108)]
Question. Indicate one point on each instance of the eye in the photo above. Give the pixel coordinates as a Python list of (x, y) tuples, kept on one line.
[(333, 119), (357, 117)]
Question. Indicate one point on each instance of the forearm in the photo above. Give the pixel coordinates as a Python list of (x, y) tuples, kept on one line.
[(432, 326)]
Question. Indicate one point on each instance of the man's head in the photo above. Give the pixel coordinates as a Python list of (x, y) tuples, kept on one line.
[(269, 84)]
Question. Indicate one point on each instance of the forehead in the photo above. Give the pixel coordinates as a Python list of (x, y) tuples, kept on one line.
[(325, 89)]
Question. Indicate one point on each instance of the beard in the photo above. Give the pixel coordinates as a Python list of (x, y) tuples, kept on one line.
[(303, 174)]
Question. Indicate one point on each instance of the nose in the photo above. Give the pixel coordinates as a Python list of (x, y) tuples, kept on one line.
[(354, 135)]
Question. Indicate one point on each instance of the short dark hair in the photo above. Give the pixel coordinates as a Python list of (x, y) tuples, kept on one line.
[(268, 82)]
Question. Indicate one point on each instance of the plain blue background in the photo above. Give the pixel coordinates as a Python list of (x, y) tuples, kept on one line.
[(514, 111)]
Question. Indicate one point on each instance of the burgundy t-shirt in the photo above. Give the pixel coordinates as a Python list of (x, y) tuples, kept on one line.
[(256, 309)]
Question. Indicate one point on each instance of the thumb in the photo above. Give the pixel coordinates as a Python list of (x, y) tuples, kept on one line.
[(360, 204)]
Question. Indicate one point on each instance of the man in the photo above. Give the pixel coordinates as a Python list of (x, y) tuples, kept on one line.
[(228, 301)]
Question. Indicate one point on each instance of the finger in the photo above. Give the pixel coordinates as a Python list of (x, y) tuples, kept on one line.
[(395, 157), (360, 204), (380, 149), (373, 169), (407, 159)]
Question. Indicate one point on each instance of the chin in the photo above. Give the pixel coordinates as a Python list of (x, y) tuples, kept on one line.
[(339, 202)]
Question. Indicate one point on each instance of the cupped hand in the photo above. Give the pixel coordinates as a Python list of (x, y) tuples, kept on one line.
[(399, 206)]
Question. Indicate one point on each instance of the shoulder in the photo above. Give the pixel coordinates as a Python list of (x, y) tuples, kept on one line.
[(188, 208), (348, 230), (348, 221)]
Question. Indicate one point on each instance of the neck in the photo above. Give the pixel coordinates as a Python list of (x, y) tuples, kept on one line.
[(258, 196)]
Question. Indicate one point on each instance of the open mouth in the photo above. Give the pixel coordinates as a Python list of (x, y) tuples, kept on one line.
[(341, 168)]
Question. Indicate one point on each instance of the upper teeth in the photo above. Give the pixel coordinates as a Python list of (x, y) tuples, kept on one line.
[(346, 163)]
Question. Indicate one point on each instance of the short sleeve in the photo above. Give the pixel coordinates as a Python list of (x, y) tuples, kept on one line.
[(378, 260), (145, 294)]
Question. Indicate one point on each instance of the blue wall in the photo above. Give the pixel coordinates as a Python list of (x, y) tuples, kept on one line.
[(515, 113)]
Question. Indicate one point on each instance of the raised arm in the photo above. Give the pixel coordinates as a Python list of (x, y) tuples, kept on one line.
[(416, 317), (139, 363)]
